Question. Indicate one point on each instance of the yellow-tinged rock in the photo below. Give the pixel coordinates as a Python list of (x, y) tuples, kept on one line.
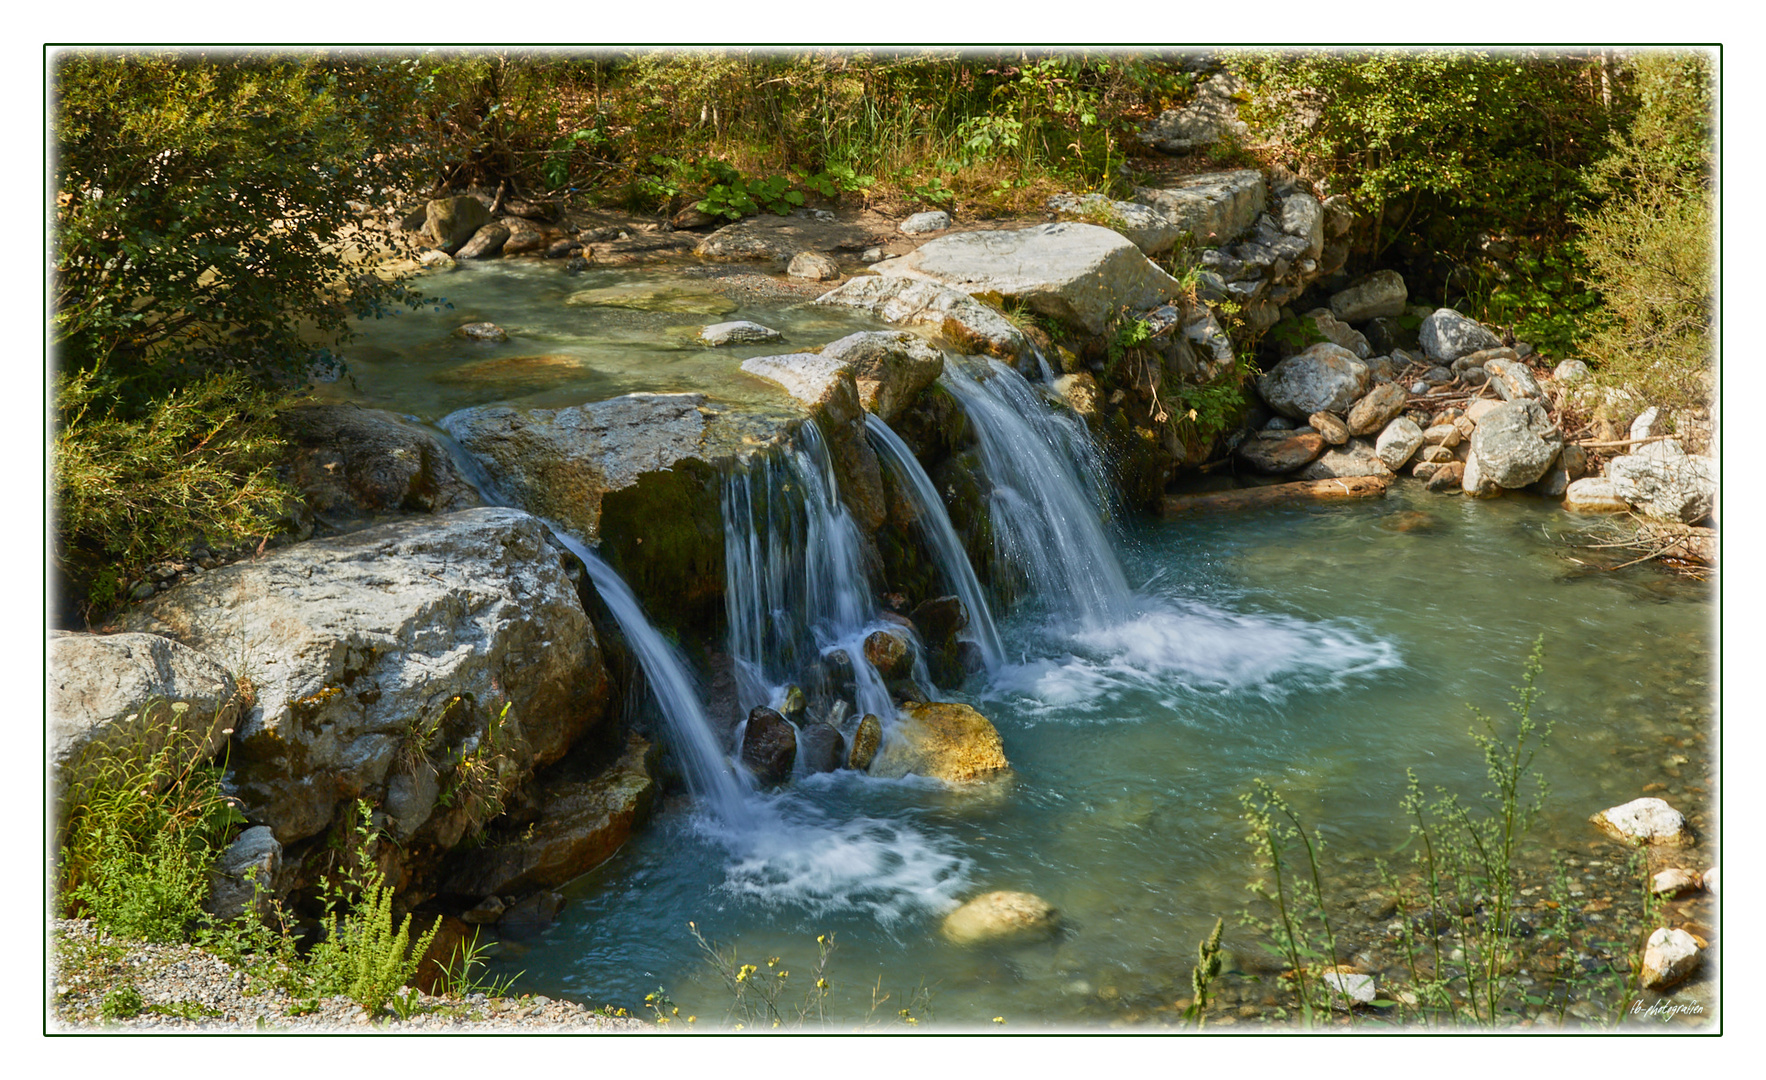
[(1001, 917), (943, 740)]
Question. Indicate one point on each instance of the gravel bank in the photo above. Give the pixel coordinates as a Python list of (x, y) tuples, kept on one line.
[(183, 988)]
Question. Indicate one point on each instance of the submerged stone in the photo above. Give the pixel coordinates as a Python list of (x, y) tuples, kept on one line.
[(941, 740), (1001, 918)]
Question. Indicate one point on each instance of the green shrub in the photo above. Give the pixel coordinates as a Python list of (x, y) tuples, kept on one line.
[(201, 205), (133, 487), (137, 841), (1650, 245), (366, 955)]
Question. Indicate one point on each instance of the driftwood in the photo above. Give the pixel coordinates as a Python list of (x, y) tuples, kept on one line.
[(1350, 487), (1622, 442)]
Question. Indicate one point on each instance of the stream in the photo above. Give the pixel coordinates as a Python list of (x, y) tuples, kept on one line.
[(1323, 648)]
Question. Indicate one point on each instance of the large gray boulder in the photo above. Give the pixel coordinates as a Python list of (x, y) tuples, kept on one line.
[(449, 223), (1081, 274), (1147, 228), (1512, 446), (1357, 457), (394, 648), (561, 463), (1324, 378), (1213, 114), (1662, 481), (129, 695), (1381, 294), (1446, 335), (354, 465), (639, 475), (965, 322), (1303, 217), (889, 368), (1212, 208)]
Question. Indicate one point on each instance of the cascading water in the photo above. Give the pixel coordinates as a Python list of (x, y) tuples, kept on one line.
[(708, 771), (798, 592), (947, 549), (709, 774), (1045, 527)]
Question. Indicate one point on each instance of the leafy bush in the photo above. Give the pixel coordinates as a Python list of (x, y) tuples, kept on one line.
[(201, 205), (1650, 245), (138, 841), (1438, 146), (133, 487), (365, 955)]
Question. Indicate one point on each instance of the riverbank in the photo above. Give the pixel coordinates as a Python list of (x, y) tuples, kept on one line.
[(102, 983)]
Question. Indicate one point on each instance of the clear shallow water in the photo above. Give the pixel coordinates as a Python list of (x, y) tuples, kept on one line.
[(1325, 649), (572, 339)]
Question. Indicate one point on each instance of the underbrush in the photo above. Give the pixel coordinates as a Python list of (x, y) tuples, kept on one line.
[(1474, 952), (138, 842)]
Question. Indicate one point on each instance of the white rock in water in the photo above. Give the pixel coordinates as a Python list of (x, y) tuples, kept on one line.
[(739, 332), (1710, 881), (808, 264), (930, 221), (1078, 273), (1669, 957), (1644, 821), (1359, 989), (1674, 882), (1594, 495)]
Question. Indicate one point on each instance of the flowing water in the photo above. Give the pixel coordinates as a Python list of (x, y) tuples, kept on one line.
[(572, 339), (1326, 650), (1152, 670)]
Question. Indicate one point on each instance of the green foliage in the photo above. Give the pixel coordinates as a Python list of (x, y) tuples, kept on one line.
[(1543, 298), (464, 974), (1439, 145), (135, 487), (1292, 335), (200, 207), (138, 839), (365, 955), (1299, 933), (1466, 858), (1212, 407), (1649, 246), (1202, 976), (122, 1003)]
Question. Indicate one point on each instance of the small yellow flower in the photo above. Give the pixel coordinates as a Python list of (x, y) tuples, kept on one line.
[(739, 1027), (691, 1019), (999, 1019)]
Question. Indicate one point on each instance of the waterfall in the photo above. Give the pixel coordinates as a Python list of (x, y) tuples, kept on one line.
[(798, 590), (709, 774), (946, 547), (1041, 464)]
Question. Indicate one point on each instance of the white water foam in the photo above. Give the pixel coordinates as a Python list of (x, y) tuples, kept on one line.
[(1171, 648), (794, 856)]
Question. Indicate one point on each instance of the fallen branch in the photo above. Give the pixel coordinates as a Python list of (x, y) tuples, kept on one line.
[(1350, 487), (1622, 442)]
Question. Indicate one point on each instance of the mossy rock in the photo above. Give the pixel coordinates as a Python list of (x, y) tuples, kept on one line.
[(665, 298), (665, 536)]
